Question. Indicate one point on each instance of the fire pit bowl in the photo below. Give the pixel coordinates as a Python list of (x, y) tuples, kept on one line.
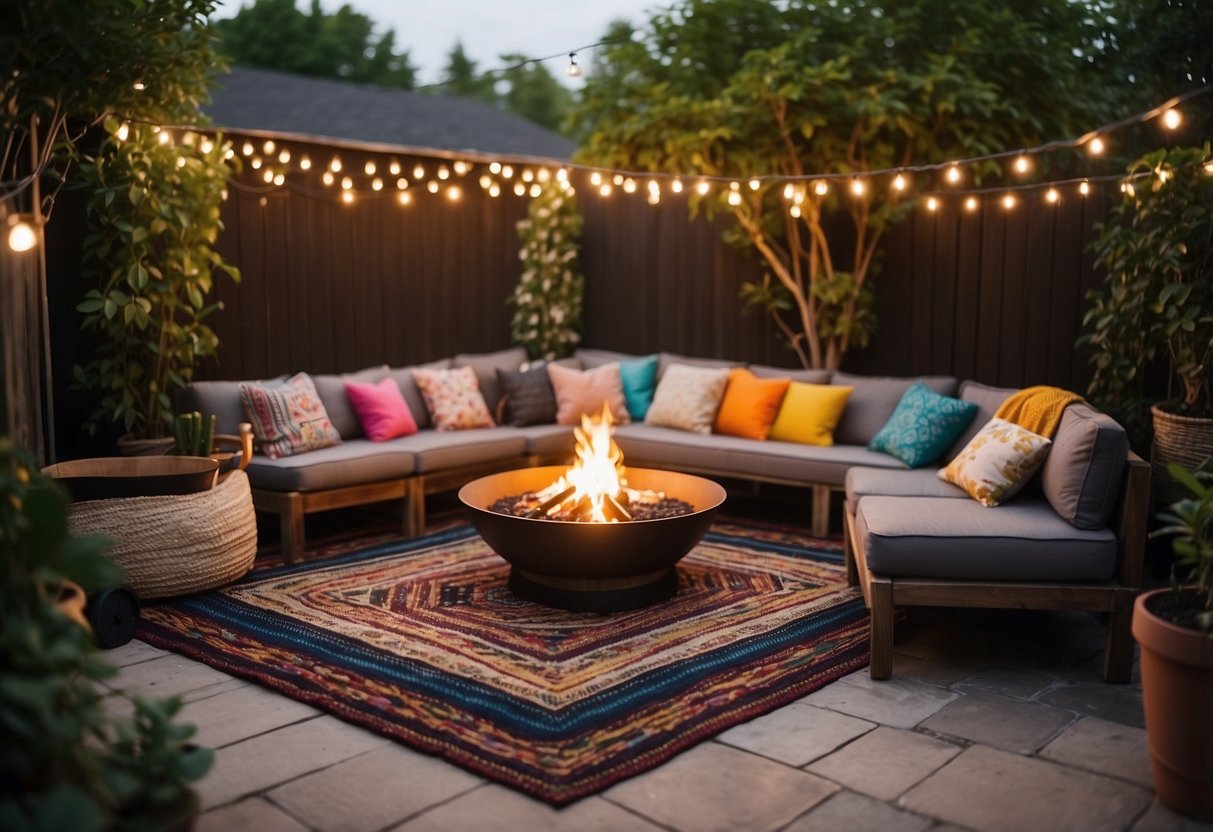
[(592, 567)]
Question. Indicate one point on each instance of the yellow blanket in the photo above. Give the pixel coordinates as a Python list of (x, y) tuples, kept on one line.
[(1037, 408)]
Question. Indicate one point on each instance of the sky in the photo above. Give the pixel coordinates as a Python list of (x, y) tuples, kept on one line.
[(487, 28)]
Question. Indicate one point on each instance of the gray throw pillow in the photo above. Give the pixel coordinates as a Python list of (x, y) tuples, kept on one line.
[(1082, 473), (412, 394), (527, 397), (873, 400), (486, 365)]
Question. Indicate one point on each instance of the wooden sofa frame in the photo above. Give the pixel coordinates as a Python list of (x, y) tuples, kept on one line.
[(883, 593)]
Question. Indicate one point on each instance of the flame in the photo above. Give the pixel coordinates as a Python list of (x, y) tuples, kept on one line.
[(597, 473)]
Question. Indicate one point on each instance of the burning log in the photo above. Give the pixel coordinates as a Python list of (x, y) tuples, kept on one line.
[(548, 505), (613, 510)]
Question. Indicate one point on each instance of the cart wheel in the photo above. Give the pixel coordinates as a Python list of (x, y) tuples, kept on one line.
[(113, 613)]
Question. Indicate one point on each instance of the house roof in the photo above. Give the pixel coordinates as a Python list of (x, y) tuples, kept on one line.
[(267, 101)]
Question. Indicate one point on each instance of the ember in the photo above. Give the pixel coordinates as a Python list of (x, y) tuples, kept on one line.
[(594, 488)]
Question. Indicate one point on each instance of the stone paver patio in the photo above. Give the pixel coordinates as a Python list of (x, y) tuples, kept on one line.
[(993, 720)]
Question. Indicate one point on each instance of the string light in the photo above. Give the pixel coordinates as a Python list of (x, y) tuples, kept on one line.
[(279, 179), (335, 165), (676, 185), (444, 173), (605, 189), (857, 186), (347, 183), (899, 183), (268, 148), (495, 168), (1084, 187), (617, 179), (573, 71), (953, 175), (562, 175), (755, 184), (1096, 146), (454, 193), (369, 168), (207, 146), (327, 178), (377, 184), (595, 179), (1052, 196), (629, 185), (794, 211), (268, 176), (494, 190), (347, 197), (703, 187), (394, 168), (1008, 201), (247, 149), (932, 204), (971, 204), (285, 156), (528, 175), (821, 187), (1172, 118), (485, 180), (21, 234), (734, 197), (124, 130), (255, 164), (507, 171), (305, 163), (789, 190), (1022, 165), (432, 186), (461, 168), (402, 183), (165, 137), (418, 171), (404, 197)]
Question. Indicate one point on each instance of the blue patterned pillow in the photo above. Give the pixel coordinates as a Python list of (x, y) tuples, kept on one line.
[(923, 426)]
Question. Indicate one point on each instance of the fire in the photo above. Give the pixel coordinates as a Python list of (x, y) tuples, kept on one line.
[(594, 488)]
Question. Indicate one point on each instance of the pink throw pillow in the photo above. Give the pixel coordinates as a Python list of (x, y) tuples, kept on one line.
[(584, 391), (381, 409)]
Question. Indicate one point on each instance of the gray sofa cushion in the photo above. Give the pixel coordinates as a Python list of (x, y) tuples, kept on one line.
[(436, 450), (802, 375), (882, 482), (331, 389), (1082, 473), (486, 365), (356, 462), (590, 359), (412, 394), (665, 359), (940, 537), (873, 400), (653, 446), (988, 399), (221, 398), (549, 440)]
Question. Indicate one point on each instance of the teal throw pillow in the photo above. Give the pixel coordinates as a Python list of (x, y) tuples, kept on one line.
[(923, 426), (639, 380)]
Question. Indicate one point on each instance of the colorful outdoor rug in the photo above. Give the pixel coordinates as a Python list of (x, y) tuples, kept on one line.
[(421, 641)]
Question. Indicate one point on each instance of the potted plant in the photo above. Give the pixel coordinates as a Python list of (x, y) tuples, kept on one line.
[(1175, 630), (1156, 309), (65, 758), (154, 220)]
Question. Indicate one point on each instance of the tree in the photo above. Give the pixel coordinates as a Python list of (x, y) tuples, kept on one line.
[(534, 93), (460, 79), (275, 34), (825, 92)]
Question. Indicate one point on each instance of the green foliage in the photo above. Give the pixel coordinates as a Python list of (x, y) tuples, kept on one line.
[(749, 88), (154, 220), (65, 761), (193, 434), (461, 79), (1191, 521), (275, 34), (548, 299), (1156, 304)]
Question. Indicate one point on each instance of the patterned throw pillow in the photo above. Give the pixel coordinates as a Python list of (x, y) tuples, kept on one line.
[(750, 404), (923, 425), (687, 398), (288, 418), (997, 462), (809, 413), (453, 398)]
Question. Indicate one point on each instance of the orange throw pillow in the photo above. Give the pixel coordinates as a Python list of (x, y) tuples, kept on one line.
[(750, 404)]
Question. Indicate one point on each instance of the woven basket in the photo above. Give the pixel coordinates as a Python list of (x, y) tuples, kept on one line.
[(1183, 439), (173, 545)]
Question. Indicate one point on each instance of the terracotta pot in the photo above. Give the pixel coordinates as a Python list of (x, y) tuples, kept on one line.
[(1177, 688)]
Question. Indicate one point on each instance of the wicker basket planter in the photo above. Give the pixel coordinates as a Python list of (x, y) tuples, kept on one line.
[(1187, 440), (174, 545)]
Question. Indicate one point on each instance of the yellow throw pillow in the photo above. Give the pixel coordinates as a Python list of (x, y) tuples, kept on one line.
[(750, 404), (809, 413), (997, 462)]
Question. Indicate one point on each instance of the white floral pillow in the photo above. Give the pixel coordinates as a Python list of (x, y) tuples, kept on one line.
[(997, 462), (453, 398), (687, 398)]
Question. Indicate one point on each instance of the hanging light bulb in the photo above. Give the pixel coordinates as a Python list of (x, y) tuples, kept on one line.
[(573, 70), (537, 189), (347, 183), (821, 187), (1096, 146), (335, 164), (139, 86), (676, 185), (1084, 187), (543, 175), (528, 175), (971, 204), (418, 171), (734, 197), (519, 189), (394, 168), (305, 163), (454, 193), (268, 176), (369, 167), (899, 182), (494, 190), (1008, 201), (263, 202), (789, 191), (755, 184), (268, 148), (124, 130), (432, 186), (562, 175), (932, 204), (347, 197), (605, 189), (165, 137), (1162, 176), (495, 168), (255, 164), (327, 178), (703, 187), (279, 179), (247, 149), (461, 167), (21, 234), (654, 187), (404, 198), (444, 172), (798, 196), (654, 197), (507, 171), (629, 185), (207, 146), (485, 180), (402, 183), (595, 179), (1172, 118), (953, 175), (617, 179), (857, 186), (795, 211), (376, 184), (1022, 165), (1052, 196)]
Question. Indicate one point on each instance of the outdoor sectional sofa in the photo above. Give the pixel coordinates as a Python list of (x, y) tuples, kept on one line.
[(1075, 540)]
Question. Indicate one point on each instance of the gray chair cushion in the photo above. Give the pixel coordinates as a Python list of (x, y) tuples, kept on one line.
[(1082, 473), (872, 401), (436, 450), (988, 399), (549, 440), (590, 359), (650, 445), (802, 375), (486, 365), (222, 398), (356, 462), (665, 359), (331, 389), (939, 537), (884, 482), (412, 394)]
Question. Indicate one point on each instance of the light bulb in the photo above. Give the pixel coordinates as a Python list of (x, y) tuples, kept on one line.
[(507, 171), (229, 153), (402, 183), (617, 179), (953, 175), (394, 168), (247, 149), (562, 175), (789, 191), (1095, 146), (543, 175), (629, 185), (207, 145), (1209, 168), (703, 187), (418, 172), (676, 186), (1084, 188), (528, 175), (1171, 119), (139, 86), (268, 176), (255, 164), (432, 186), (369, 167), (123, 131), (654, 197), (495, 167), (485, 180), (1052, 195), (899, 182), (335, 165), (1008, 201), (347, 183), (1022, 164), (1162, 177), (263, 202), (537, 189), (347, 197), (821, 187), (605, 189), (454, 193), (444, 172), (461, 167), (268, 148), (404, 198), (754, 184), (654, 187), (734, 198), (279, 179), (573, 70), (305, 163), (494, 190), (519, 189), (180, 161), (595, 179), (971, 204), (932, 204), (857, 187), (795, 211), (327, 178), (165, 137), (734, 186), (376, 184), (798, 197), (22, 236)]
